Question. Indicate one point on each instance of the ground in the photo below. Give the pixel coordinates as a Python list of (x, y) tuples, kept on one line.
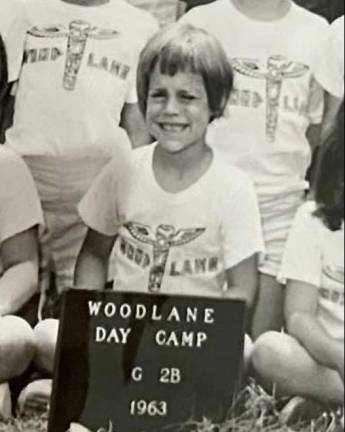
[(259, 412)]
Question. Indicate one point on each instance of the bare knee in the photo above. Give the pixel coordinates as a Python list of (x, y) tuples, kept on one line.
[(17, 346), (271, 355), (46, 333)]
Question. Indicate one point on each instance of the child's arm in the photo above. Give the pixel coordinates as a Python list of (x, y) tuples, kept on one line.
[(92, 265), (20, 279), (314, 136), (301, 308), (243, 281), (332, 107)]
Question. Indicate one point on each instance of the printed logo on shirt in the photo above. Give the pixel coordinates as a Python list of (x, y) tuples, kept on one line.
[(162, 240), (277, 70), (77, 35)]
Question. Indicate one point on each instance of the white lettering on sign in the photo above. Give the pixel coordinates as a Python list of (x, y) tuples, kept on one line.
[(115, 335), (182, 339), (139, 312)]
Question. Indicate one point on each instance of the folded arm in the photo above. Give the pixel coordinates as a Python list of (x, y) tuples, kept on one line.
[(92, 265), (19, 281)]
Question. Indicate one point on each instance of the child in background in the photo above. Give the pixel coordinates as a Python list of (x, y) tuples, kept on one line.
[(309, 361), (275, 107), (77, 84), (20, 216)]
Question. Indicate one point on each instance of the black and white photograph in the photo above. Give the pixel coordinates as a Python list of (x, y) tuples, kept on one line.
[(172, 216)]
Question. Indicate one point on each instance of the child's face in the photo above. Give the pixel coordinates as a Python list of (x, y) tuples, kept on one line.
[(178, 112)]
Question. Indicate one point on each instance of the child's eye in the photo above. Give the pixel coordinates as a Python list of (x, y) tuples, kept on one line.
[(188, 97), (157, 95)]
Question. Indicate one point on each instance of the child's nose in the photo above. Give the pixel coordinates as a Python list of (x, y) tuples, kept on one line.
[(171, 106)]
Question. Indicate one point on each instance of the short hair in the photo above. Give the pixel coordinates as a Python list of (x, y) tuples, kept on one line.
[(3, 68), (185, 48), (329, 188)]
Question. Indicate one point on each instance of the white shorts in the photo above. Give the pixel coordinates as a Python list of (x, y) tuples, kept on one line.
[(61, 183), (277, 213)]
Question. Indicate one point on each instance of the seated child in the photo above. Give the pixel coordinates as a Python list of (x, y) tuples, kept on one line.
[(309, 361), (20, 215)]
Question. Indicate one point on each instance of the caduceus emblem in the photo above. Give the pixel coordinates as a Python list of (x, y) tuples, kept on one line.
[(77, 36), (165, 237), (278, 69)]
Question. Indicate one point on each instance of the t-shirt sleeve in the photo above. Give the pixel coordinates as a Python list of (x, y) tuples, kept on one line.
[(13, 31), (20, 207), (242, 235), (302, 259), (100, 209), (330, 68)]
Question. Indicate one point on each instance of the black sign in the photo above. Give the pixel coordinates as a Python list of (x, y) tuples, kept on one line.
[(145, 363)]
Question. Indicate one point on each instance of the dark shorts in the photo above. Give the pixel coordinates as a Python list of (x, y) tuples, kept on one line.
[(29, 312)]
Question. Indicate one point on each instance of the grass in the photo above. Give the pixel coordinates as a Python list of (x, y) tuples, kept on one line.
[(255, 411)]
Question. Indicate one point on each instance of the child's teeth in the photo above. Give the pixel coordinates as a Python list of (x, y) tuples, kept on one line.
[(173, 128)]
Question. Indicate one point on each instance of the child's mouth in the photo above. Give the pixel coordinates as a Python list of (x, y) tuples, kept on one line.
[(172, 127)]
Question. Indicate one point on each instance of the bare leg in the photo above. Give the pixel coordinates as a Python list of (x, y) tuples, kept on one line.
[(280, 359), (17, 347), (37, 394), (269, 310), (46, 334)]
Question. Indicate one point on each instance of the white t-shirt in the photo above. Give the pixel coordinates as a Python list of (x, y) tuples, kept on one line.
[(315, 255), (175, 243), (20, 207), (79, 71), (330, 71), (13, 26), (275, 97)]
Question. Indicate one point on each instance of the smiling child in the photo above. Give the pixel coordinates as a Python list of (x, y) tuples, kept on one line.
[(184, 223)]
